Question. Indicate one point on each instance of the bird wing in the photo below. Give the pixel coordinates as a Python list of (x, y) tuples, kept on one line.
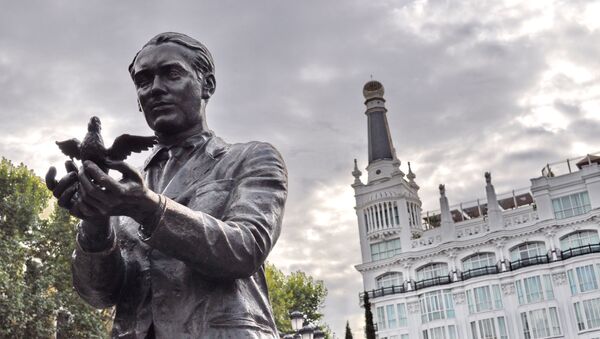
[(70, 148), (126, 143)]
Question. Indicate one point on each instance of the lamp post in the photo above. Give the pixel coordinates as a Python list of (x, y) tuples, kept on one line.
[(302, 331)]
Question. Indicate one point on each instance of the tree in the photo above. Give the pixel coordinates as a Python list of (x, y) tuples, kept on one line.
[(369, 326), (295, 292), (348, 331), (35, 283)]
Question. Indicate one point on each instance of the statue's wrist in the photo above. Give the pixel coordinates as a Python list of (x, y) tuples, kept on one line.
[(95, 234), (151, 209)]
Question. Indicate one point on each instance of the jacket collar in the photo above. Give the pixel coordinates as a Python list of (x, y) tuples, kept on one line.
[(213, 146)]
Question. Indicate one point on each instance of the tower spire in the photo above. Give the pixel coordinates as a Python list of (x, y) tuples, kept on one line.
[(380, 142), (383, 162)]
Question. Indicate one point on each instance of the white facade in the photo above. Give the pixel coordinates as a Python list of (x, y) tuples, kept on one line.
[(526, 267)]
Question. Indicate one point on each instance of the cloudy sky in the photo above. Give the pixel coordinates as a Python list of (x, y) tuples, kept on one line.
[(471, 86)]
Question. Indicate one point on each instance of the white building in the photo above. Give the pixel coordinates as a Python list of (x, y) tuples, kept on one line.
[(522, 265)]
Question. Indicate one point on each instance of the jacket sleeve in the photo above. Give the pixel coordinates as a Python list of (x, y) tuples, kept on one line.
[(98, 276), (237, 245)]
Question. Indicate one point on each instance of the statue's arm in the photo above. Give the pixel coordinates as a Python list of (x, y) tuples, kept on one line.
[(98, 273), (237, 245)]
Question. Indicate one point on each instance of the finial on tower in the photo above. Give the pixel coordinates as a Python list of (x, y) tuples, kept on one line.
[(411, 176), (488, 177), (373, 90), (356, 173), (442, 190)]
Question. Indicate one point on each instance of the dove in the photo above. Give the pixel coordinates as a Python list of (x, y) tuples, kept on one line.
[(92, 147)]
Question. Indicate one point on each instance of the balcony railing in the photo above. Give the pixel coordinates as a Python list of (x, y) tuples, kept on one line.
[(443, 280), (382, 291), (477, 272), (514, 265), (538, 259), (581, 250)]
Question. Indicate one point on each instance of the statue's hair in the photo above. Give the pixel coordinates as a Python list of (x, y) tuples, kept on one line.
[(202, 60)]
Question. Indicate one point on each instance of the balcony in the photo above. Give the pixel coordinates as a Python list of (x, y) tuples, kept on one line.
[(538, 259), (477, 272), (443, 280), (581, 250), (383, 291)]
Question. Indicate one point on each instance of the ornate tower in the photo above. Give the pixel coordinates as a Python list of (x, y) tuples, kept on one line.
[(388, 207)]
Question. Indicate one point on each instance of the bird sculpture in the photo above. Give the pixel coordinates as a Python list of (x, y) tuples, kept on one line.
[(92, 147)]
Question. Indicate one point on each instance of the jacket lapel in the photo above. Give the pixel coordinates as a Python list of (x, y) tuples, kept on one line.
[(197, 168)]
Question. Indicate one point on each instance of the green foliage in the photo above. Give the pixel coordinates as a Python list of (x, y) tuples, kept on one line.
[(369, 327), (295, 292), (348, 331), (35, 281)]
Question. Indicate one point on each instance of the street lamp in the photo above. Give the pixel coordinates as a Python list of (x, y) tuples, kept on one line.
[(307, 332), (297, 320)]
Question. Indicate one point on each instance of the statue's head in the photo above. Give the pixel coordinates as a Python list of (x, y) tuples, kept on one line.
[(94, 125), (174, 78)]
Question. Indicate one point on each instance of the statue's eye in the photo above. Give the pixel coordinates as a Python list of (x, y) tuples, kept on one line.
[(173, 74), (142, 81)]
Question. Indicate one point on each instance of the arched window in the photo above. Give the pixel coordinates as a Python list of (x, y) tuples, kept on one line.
[(527, 250), (579, 238), (479, 260), (432, 271), (389, 279)]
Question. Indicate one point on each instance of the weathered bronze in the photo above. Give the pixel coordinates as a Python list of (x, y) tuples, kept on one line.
[(180, 247), (92, 148)]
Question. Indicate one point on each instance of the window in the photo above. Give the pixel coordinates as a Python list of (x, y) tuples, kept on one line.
[(404, 336), (590, 317), (389, 279), (485, 298), (571, 205), (479, 260), (436, 305), (380, 318), (497, 296), (385, 249), (392, 322), (441, 332), (491, 328), (583, 278), (432, 271), (540, 323), (527, 250), (502, 328), (578, 239), (402, 320), (534, 289), (391, 316)]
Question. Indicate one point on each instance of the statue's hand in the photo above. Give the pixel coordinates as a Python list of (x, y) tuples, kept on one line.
[(129, 196), (65, 190)]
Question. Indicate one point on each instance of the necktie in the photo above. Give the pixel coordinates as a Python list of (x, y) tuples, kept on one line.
[(170, 168)]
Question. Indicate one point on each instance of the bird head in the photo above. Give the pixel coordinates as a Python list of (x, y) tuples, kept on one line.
[(94, 125)]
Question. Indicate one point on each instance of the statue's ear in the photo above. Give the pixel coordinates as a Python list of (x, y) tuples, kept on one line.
[(208, 88)]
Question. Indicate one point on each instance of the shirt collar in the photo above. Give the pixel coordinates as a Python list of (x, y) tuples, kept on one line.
[(193, 141)]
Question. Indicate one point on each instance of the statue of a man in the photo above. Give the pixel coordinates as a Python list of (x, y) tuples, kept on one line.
[(179, 248)]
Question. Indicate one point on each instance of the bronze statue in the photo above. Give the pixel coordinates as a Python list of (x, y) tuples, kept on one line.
[(180, 247)]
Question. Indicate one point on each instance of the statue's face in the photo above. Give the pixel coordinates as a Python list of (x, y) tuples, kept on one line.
[(168, 88)]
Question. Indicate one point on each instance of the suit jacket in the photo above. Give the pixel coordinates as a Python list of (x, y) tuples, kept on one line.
[(200, 274)]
